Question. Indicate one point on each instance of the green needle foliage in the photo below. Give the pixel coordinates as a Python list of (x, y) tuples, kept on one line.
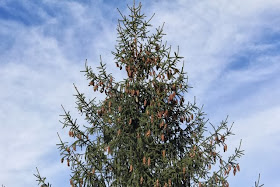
[(144, 133)]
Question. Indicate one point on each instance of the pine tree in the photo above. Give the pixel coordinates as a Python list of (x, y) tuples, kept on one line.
[(144, 133)]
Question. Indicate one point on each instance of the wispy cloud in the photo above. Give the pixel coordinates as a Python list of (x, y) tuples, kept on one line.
[(231, 56)]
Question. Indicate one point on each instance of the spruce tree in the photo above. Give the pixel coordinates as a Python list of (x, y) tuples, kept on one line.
[(144, 133)]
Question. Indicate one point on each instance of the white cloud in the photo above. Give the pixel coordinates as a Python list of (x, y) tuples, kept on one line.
[(35, 79), (40, 63)]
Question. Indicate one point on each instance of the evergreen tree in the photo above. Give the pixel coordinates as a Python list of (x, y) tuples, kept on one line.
[(144, 133)]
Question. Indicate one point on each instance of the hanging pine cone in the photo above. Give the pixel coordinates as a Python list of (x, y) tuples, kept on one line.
[(162, 137), (148, 133), (229, 168), (157, 183), (225, 147), (141, 180), (132, 92), (216, 138), (149, 161), (238, 168), (95, 88), (163, 153), (168, 75), (91, 83), (144, 160)]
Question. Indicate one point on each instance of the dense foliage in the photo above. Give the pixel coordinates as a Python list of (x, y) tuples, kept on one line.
[(144, 133)]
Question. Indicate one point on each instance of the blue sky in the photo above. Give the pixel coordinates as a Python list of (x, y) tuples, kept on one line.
[(231, 51)]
